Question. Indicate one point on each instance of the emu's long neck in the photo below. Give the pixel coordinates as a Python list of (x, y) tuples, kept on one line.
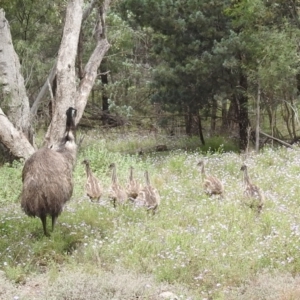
[(131, 174), (147, 178), (68, 147), (70, 123), (203, 171), (246, 177), (88, 170), (114, 175)]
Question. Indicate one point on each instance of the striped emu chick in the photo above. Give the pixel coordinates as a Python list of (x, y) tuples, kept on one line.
[(211, 184), (133, 186), (48, 177), (252, 192), (148, 196), (117, 192), (93, 186)]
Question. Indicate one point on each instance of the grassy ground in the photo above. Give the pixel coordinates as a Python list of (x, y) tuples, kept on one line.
[(196, 247)]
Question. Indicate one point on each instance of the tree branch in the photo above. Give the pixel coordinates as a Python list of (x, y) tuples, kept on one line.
[(90, 70), (13, 139), (278, 140), (44, 89)]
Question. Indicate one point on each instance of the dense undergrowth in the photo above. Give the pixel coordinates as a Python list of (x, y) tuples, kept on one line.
[(200, 247)]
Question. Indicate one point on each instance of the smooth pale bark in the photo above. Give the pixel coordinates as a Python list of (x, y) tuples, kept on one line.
[(89, 78), (65, 72), (14, 139), (67, 93), (44, 90), (15, 102), (92, 66)]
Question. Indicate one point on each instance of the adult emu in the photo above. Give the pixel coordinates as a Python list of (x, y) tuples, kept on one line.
[(48, 176)]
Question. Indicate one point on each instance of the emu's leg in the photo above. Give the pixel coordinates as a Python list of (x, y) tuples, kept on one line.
[(43, 219), (53, 221)]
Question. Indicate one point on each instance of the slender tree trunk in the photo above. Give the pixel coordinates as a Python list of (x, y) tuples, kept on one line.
[(192, 121), (201, 136), (270, 113), (243, 118), (293, 119), (224, 115), (214, 109), (188, 123), (257, 119), (104, 81), (286, 117)]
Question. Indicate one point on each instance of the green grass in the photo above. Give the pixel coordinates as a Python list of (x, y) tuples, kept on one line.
[(196, 246)]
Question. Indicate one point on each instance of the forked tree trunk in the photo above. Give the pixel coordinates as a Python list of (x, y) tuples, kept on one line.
[(67, 94), (15, 131), (65, 72)]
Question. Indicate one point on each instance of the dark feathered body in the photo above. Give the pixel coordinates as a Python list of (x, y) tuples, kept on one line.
[(39, 174), (47, 179), (255, 197), (211, 184), (93, 186), (148, 196)]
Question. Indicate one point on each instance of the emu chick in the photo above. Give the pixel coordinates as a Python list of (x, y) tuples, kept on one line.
[(133, 186), (93, 187), (255, 196), (211, 184), (148, 196)]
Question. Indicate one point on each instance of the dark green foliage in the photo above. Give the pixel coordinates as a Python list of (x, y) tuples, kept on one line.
[(219, 144), (184, 36)]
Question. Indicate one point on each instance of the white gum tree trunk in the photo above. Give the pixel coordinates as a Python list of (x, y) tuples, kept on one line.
[(15, 129), (68, 94)]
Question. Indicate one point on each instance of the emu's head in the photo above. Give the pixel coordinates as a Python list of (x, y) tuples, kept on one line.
[(70, 133), (112, 166), (244, 167), (68, 140), (86, 162), (200, 163), (67, 144)]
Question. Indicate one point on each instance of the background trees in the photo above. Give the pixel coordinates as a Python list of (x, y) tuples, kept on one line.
[(202, 61)]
